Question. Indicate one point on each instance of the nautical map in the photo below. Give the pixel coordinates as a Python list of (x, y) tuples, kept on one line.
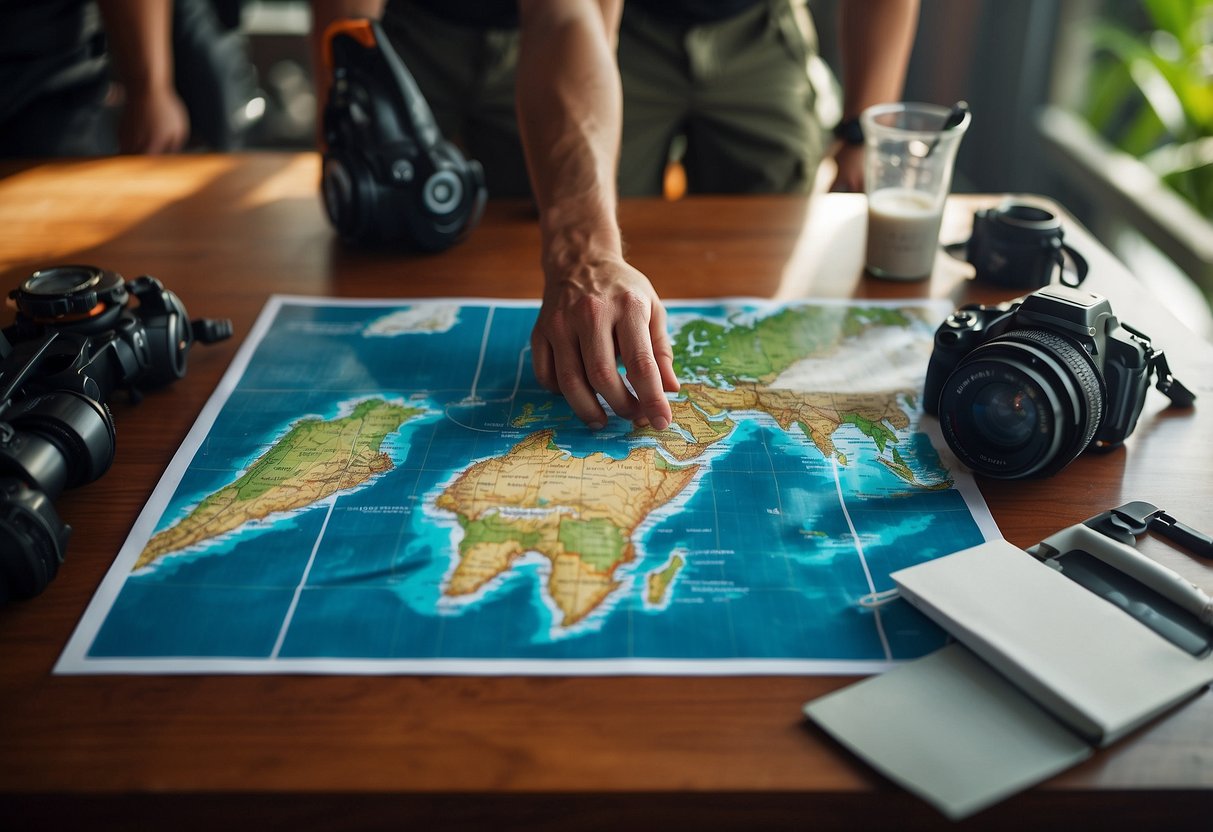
[(382, 487)]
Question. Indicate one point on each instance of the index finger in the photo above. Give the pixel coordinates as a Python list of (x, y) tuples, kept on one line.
[(645, 374)]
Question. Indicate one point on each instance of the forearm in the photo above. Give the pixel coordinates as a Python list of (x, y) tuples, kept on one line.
[(570, 124), (876, 37), (597, 310), (139, 33)]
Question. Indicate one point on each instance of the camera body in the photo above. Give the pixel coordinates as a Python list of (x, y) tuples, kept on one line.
[(1022, 388), (1019, 245), (388, 176), (80, 334)]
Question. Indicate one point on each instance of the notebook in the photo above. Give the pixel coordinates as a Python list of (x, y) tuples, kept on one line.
[(1043, 671)]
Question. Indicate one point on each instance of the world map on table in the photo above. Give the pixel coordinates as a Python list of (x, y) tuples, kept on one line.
[(383, 486)]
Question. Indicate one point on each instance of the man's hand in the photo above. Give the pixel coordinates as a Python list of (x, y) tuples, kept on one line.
[(849, 178), (592, 314), (595, 306), (153, 121)]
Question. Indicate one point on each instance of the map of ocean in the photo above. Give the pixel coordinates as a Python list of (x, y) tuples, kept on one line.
[(477, 526)]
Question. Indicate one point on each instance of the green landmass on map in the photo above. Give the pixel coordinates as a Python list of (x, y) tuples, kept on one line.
[(658, 581), (726, 354), (579, 512), (531, 414), (736, 364), (315, 459)]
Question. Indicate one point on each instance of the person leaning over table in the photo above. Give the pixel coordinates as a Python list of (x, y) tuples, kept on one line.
[(55, 68), (577, 102)]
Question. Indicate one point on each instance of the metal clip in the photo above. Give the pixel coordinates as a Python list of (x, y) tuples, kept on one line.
[(1125, 522)]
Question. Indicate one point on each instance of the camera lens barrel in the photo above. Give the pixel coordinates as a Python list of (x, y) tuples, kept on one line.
[(32, 540), (1023, 404), (1023, 221), (57, 441)]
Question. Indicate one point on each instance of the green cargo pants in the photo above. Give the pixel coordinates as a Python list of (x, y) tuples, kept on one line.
[(734, 97)]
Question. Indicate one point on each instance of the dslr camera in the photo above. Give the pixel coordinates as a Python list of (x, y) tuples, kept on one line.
[(388, 176), (80, 334), (1022, 388)]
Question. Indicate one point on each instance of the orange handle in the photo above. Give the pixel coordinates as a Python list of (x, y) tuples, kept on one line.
[(357, 28)]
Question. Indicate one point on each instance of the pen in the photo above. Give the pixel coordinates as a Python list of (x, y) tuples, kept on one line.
[(1127, 560)]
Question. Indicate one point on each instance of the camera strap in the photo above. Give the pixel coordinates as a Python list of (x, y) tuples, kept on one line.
[(1080, 266), (1156, 359), (1061, 254)]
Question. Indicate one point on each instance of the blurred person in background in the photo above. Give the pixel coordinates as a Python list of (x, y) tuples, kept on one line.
[(55, 78), (97, 77)]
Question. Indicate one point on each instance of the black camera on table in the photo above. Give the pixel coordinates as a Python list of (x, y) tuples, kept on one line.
[(1022, 388), (80, 334), (389, 177), (1019, 245)]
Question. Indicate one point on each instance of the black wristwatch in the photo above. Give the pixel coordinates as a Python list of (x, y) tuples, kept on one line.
[(849, 130)]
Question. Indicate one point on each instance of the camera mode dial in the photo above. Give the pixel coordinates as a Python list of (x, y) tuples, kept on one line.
[(955, 328)]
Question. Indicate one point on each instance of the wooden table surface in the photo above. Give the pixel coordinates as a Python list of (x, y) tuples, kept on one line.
[(224, 232)]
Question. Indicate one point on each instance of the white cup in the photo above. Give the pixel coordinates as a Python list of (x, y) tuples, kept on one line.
[(908, 161)]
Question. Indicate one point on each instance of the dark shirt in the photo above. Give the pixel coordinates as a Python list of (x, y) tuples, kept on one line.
[(503, 14), (47, 46)]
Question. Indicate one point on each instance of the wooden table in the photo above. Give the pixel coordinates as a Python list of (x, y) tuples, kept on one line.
[(414, 752)]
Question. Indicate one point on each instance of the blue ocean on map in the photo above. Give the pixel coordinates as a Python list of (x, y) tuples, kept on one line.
[(777, 542)]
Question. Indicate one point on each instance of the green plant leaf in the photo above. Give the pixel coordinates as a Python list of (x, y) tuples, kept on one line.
[(1150, 92), (1106, 96), (1170, 15)]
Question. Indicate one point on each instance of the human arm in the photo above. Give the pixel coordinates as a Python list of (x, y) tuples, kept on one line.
[(595, 305), (875, 39), (139, 33)]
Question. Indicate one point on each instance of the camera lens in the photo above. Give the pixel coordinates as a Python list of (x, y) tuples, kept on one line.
[(68, 294), (1023, 404), (1005, 414), (60, 440), (1028, 216), (62, 280)]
